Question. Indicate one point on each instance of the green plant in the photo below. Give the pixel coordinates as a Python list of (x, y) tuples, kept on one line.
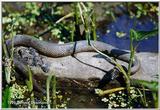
[(142, 9), (134, 36), (30, 88), (50, 18), (6, 99), (51, 80), (152, 86), (54, 103), (7, 59), (117, 98), (88, 20)]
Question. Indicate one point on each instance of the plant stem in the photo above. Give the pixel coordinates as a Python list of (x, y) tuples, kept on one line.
[(94, 27), (112, 61), (130, 64), (81, 13), (30, 87), (155, 97), (54, 91), (72, 32), (48, 92), (4, 48), (7, 67), (104, 92), (64, 17)]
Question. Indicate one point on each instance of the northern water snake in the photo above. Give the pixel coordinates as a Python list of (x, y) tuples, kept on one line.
[(61, 50)]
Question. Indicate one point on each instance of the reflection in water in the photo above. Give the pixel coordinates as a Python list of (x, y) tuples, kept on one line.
[(122, 25)]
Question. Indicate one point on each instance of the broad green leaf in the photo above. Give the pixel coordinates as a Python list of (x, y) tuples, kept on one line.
[(6, 99), (141, 35), (152, 85)]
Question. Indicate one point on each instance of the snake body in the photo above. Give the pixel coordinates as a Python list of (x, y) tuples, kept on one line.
[(61, 50)]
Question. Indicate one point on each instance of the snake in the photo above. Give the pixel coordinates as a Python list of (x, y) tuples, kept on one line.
[(61, 50)]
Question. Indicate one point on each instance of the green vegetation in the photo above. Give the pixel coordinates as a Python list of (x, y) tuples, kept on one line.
[(49, 21), (6, 98), (153, 86), (51, 78), (29, 83), (142, 9)]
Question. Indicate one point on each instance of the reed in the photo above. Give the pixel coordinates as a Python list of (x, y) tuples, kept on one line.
[(29, 83), (51, 79)]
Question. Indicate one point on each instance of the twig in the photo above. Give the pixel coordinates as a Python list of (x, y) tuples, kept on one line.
[(58, 21)]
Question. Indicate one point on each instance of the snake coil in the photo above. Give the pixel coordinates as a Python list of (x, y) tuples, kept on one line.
[(61, 50)]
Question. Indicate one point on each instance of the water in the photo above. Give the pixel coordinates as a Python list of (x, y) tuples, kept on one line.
[(78, 91), (81, 96), (123, 24)]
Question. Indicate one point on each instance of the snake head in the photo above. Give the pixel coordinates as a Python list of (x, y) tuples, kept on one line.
[(109, 76)]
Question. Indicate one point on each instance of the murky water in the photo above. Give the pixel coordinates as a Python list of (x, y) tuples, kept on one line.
[(81, 93)]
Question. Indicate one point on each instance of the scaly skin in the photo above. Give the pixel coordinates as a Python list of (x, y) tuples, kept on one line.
[(60, 50)]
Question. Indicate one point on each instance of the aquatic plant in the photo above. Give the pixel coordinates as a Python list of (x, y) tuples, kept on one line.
[(7, 65), (134, 36), (51, 79), (6, 99), (64, 28), (142, 9), (30, 88)]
